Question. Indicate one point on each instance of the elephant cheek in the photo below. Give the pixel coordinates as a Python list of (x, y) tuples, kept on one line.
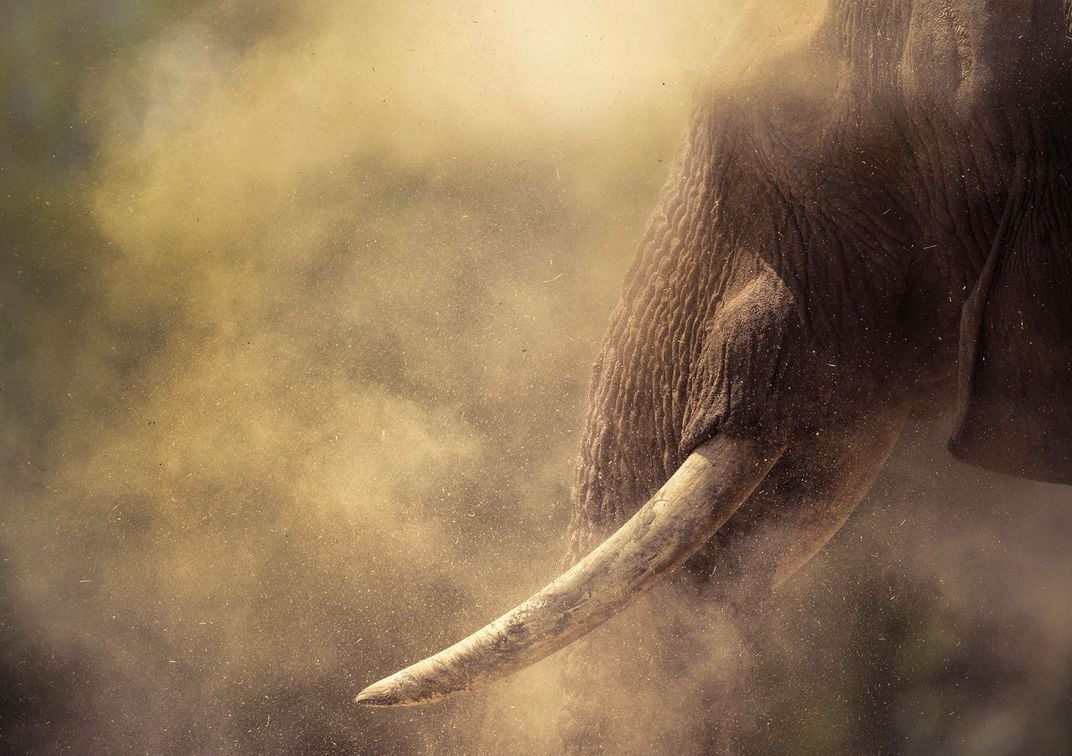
[(766, 374)]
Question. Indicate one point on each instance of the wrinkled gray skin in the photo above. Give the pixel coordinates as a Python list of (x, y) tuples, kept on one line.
[(881, 218)]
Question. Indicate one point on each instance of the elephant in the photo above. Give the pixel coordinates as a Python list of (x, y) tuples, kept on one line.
[(873, 223)]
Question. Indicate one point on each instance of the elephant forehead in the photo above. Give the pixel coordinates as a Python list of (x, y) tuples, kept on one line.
[(962, 52)]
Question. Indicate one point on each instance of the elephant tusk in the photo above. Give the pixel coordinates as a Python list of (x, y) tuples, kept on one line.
[(680, 518)]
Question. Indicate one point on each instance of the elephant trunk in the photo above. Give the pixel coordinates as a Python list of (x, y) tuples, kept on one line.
[(680, 518)]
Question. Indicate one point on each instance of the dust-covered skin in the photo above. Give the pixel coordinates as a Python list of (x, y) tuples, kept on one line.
[(827, 221), (847, 230)]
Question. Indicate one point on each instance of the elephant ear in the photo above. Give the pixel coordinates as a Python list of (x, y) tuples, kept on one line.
[(1015, 388)]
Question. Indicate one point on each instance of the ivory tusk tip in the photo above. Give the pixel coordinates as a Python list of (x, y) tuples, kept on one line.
[(382, 693)]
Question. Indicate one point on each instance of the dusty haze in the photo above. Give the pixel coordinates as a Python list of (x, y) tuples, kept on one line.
[(298, 311)]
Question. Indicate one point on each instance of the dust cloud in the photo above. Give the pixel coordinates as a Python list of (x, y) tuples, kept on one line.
[(301, 303)]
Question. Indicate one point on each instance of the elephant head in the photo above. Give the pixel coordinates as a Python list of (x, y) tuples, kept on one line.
[(877, 218)]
